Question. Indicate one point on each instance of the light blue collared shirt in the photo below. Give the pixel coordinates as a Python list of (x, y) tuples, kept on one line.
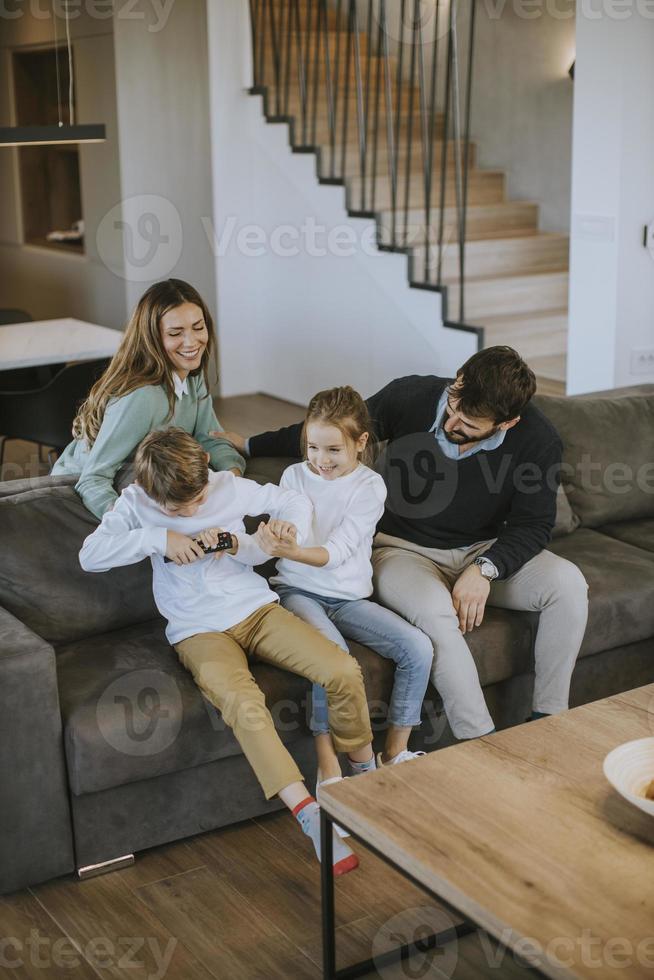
[(450, 449)]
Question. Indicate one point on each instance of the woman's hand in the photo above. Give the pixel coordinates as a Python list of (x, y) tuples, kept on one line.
[(181, 549), (274, 545), (237, 441)]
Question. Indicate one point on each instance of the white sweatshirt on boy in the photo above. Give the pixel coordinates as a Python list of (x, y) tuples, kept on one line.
[(210, 595), (345, 515)]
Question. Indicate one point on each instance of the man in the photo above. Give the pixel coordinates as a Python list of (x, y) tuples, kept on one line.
[(472, 470)]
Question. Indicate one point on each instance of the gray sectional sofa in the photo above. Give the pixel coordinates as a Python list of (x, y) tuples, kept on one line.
[(108, 748)]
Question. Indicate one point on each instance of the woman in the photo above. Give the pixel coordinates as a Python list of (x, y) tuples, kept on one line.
[(159, 377)]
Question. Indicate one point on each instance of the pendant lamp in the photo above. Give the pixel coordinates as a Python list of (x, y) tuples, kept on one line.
[(62, 132)]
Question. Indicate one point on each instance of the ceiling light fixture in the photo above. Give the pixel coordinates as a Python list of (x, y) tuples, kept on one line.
[(61, 133)]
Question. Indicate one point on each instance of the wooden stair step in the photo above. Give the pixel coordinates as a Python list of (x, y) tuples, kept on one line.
[(403, 101), (532, 335), (514, 294), (484, 187), (504, 256), (551, 368), (384, 159), (483, 221)]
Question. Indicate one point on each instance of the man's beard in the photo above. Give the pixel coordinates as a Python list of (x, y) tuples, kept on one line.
[(460, 438)]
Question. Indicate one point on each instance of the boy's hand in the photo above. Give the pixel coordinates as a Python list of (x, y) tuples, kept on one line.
[(209, 539), (237, 441), (181, 549), (273, 545), (283, 530)]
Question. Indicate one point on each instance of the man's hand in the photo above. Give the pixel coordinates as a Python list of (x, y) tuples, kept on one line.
[(469, 597), (274, 545), (181, 549), (237, 441)]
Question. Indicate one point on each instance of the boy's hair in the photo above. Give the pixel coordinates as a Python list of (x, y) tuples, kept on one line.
[(171, 466), (346, 409), (495, 383)]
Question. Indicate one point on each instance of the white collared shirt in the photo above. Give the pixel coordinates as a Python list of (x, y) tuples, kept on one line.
[(210, 595), (181, 387), (451, 449)]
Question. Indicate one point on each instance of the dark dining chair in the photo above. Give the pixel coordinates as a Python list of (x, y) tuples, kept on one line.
[(45, 415)]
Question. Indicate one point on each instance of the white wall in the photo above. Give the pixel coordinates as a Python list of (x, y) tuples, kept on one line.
[(612, 273), (165, 159), (291, 324), (45, 282)]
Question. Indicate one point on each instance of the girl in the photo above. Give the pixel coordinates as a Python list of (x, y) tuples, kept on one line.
[(328, 580), (159, 377)]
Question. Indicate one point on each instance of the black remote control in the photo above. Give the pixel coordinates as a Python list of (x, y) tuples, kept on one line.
[(224, 542)]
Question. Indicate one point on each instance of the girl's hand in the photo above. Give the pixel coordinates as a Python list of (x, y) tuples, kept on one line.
[(284, 530), (272, 544), (237, 441), (181, 549)]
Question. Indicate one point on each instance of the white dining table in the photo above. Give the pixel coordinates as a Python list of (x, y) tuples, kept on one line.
[(40, 342)]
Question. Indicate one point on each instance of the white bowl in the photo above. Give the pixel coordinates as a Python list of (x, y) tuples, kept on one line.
[(630, 769)]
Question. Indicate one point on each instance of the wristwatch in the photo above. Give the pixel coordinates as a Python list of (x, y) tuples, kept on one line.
[(486, 567)]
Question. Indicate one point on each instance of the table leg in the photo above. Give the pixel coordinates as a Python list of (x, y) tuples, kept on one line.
[(327, 888)]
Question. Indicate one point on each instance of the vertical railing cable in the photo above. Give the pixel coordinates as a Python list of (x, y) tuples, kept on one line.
[(466, 157), (346, 88), (361, 114), (409, 135), (398, 119), (444, 162)]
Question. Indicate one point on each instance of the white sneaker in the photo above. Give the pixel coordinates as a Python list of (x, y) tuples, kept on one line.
[(325, 782), (404, 756)]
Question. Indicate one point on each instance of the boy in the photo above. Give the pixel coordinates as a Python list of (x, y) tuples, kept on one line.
[(219, 609)]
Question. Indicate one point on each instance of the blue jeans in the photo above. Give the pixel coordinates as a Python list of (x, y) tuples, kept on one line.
[(378, 628)]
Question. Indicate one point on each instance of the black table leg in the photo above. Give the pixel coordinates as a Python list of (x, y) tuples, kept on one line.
[(327, 887)]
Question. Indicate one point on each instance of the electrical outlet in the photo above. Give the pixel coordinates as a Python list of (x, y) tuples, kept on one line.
[(642, 360), (648, 239)]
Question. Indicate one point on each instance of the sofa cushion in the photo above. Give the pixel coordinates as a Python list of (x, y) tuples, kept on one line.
[(41, 582), (608, 455), (566, 520), (638, 533), (131, 711), (621, 584)]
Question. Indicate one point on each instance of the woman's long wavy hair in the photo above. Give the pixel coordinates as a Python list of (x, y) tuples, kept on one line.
[(141, 359)]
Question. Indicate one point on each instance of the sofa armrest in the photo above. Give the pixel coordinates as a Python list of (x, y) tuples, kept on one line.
[(35, 826)]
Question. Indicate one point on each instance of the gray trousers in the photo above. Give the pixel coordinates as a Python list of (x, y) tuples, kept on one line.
[(417, 583)]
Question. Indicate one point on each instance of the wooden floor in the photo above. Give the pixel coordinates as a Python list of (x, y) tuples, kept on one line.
[(233, 904)]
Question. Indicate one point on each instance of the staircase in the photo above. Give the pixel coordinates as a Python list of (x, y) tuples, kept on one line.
[(393, 127)]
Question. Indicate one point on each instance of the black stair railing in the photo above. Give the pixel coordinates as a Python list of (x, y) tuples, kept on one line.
[(384, 99)]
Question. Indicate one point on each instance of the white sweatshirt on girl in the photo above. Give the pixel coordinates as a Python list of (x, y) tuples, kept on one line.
[(345, 514)]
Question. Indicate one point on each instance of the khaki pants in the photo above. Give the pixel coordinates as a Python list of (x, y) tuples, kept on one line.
[(219, 664), (417, 583)]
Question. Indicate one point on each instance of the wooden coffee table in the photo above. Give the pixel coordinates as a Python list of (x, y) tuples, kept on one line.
[(520, 833)]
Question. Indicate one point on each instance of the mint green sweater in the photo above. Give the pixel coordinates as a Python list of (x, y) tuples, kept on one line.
[(126, 422)]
